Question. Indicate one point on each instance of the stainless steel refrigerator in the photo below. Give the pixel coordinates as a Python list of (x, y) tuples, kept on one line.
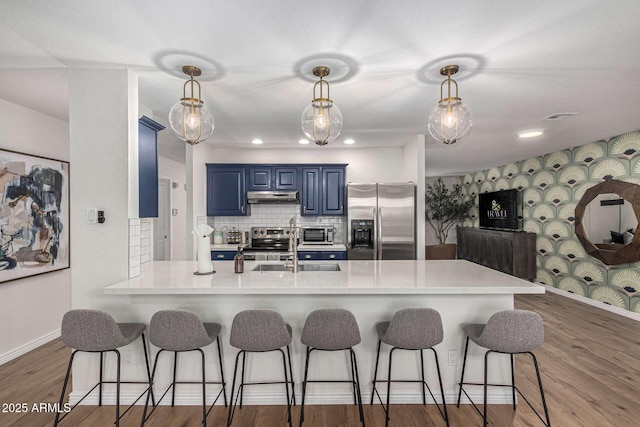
[(381, 221)]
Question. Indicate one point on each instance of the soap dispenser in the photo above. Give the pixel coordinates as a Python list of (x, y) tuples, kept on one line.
[(238, 261)]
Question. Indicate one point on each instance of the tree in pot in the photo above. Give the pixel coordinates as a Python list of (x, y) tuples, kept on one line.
[(444, 208)]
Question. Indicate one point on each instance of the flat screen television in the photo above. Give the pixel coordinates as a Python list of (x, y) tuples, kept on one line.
[(500, 209)]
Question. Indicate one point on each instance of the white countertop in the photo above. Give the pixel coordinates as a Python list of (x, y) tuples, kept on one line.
[(356, 277), (320, 248)]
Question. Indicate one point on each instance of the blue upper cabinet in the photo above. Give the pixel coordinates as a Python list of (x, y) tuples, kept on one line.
[(148, 167), (263, 177), (226, 192), (332, 191), (286, 178), (323, 190), (310, 191), (260, 178)]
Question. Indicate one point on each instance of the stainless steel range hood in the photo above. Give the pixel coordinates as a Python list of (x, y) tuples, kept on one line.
[(272, 197)]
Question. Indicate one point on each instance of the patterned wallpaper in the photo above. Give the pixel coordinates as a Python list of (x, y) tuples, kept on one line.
[(551, 186)]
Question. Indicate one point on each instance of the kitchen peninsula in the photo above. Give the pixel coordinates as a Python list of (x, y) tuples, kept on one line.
[(461, 291)]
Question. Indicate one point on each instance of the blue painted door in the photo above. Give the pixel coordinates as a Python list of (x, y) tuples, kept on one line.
[(332, 191), (286, 178), (260, 178), (226, 194), (310, 191), (148, 167)]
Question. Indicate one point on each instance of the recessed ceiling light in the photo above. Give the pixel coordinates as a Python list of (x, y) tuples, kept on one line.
[(530, 133), (349, 141), (256, 141), (303, 141)]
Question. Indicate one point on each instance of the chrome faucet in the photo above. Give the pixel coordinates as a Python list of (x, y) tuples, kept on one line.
[(293, 245)]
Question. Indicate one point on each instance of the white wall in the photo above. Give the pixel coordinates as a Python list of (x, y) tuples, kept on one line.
[(177, 173), (32, 308)]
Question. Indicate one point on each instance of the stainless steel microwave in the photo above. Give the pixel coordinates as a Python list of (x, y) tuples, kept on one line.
[(317, 235)]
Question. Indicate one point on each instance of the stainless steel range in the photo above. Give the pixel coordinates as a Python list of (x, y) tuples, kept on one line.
[(268, 244)]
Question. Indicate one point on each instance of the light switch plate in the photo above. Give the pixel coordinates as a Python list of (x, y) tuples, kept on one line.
[(92, 215)]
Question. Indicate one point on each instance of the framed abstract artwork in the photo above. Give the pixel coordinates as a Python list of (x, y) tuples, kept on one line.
[(34, 215)]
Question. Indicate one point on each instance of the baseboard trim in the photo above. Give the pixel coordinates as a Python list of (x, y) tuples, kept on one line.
[(594, 303), (23, 349), (278, 398)]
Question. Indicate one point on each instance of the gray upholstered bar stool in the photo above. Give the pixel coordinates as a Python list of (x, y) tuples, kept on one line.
[(414, 329), (260, 331), (94, 331), (180, 331), (332, 330), (508, 332)]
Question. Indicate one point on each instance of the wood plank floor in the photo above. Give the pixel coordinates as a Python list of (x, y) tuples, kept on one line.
[(590, 364)]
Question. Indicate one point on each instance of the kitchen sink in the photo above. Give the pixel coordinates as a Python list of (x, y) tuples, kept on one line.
[(301, 267)]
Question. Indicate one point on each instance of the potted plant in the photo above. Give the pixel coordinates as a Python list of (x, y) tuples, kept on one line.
[(444, 208)]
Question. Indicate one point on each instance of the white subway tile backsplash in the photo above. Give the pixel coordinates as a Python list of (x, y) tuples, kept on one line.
[(278, 216), (134, 272), (145, 258), (134, 240)]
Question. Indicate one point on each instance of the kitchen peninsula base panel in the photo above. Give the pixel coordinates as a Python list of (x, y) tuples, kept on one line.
[(368, 310)]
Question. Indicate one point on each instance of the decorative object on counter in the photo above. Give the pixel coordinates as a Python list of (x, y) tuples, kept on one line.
[(34, 215), (190, 119), (234, 236), (238, 261), (202, 232), (450, 120), (444, 209), (217, 237), (321, 120)]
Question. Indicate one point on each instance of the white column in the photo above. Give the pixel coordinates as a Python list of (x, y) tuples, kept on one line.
[(103, 122)]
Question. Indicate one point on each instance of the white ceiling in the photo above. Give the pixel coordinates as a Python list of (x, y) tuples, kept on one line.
[(521, 61)]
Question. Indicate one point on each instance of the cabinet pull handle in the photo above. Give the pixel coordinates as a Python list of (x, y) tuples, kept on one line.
[(220, 256), (307, 256), (242, 208), (332, 256)]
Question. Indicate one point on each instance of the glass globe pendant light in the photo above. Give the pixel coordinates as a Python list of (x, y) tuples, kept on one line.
[(189, 118), (450, 120), (322, 119)]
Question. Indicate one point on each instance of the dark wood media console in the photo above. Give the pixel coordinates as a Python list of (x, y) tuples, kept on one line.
[(512, 252)]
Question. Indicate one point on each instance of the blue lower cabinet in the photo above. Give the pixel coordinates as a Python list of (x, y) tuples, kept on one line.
[(322, 255), (222, 255)]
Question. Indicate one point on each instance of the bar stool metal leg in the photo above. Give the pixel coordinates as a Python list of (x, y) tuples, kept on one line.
[(464, 364), (146, 362), (293, 385), (304, 384), (544, 402), (424, 393), (357, 385), (233, 386), (375, 373), (513, 384), (444, 403), (224, 384), (241, 389), (117, 388), (286, 386), (64, 387), (101, 371), (175, 368), (389, 387)]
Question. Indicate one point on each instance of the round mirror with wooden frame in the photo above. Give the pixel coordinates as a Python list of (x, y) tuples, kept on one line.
[(607, 252)]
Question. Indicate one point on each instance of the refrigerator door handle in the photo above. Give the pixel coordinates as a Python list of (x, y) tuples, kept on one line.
[(379, 233), (375, 234)]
